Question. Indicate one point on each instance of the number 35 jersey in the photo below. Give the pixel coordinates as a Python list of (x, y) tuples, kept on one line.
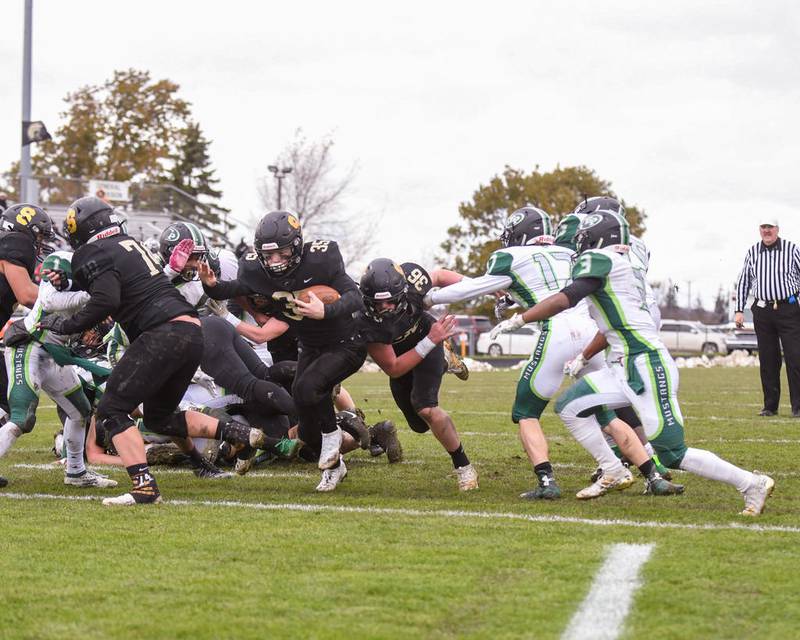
[(321, 264), (146, 296)]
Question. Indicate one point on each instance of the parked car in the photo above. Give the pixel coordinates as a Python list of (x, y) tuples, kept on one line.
[(472, 327), (741, 339), (519, 342), (690, 337)]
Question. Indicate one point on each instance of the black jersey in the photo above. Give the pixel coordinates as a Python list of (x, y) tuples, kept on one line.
[(16, 248), (146, 296), (404, 330), (321, 264)]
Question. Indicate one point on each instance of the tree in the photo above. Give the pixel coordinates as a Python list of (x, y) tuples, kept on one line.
[(316, 192), (721, 306), (471, 242), (130, 128), (671, 299)]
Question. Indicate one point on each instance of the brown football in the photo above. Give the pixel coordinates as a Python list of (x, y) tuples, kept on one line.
[(322, 291)]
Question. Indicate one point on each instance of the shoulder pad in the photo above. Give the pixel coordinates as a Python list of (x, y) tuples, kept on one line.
[(89, 261), (418, 278), (321, 248), (58, 261), (18, 249), (592, 264), (499, 263)]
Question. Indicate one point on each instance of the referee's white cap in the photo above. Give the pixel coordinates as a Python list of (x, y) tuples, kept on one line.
[(770, 220)]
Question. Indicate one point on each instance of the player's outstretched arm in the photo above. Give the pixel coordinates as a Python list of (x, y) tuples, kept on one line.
[(396, 366), (25, 290), (467, 289)]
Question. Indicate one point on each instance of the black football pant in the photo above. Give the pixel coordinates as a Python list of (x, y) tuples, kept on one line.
[(319, 370), (233, 365), (154, 371), (776, 328), (4, 387), (419, 388)]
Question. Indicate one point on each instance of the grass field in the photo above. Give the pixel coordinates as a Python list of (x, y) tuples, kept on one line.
[(396, 551)]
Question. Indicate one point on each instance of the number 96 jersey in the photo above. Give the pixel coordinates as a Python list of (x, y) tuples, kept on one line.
[(146, 296)]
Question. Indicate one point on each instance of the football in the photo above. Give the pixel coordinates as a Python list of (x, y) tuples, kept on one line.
[(322, 291)]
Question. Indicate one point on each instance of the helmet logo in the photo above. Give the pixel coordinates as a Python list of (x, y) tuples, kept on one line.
[(399, 269), (71, 222), (514, 220), (294, 223), (25, 215), (591, 220), (173, 234)]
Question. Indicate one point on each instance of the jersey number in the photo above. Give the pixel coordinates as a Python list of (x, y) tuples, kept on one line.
[(418, 279), (545, 263), (287, 297), (132, 245)]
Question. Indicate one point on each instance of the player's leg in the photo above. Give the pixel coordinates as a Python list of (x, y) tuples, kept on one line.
[(769, 355), (22, 363), (661, 416)]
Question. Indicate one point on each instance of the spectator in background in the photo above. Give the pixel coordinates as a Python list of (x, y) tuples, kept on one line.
[(772, 273), (3, 202), (100, 193)]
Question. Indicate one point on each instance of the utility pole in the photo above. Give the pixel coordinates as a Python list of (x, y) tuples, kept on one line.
[(279, 174), (25, 160)]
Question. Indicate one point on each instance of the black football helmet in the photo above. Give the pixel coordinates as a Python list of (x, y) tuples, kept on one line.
[(596, 203), (602, 229), (175, 233), (528, 225), (30, 220), (89, 216), (384, 281), (277, 230)]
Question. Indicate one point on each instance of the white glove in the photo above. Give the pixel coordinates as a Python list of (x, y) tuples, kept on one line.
[(503, 304), (514, 322), (221, 309), (574, 367)]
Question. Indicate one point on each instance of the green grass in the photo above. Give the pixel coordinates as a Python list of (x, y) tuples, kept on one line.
[(76, 569)]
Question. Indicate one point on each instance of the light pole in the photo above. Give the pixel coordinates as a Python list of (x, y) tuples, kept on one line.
[(25, 160), (279, 174)]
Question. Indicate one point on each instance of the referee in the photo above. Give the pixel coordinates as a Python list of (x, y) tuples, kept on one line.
[(772, 271)]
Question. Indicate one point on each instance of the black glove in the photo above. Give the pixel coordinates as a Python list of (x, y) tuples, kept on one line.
[(53, 323), (16, 334), (62, 282)]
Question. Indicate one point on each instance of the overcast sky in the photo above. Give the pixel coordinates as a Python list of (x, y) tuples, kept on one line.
[(690, 109)]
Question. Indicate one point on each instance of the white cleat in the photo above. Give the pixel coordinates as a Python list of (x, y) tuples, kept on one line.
[(126, 500), (606, 483), (467, 478), (332, 477), (90, 479), (331, 443), (756, 496)]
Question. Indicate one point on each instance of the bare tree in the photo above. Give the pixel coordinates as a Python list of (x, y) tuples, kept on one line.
[(316, 191)]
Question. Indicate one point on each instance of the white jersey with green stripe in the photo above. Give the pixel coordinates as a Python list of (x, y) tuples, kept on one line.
[(620, 307), (50, 300)]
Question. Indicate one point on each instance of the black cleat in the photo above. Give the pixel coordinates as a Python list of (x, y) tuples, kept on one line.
[(385, 435)]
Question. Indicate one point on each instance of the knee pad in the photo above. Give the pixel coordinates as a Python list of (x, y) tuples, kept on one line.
[(272, 396), (26, 425), (81, 403), (114, 425), (174, 425), (671, 457), (417, 424), (282, 372)]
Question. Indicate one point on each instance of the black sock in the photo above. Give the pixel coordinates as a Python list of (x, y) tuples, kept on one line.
[(145, 488), (233, 432), (648, 468), (544, 472), (459, 457)]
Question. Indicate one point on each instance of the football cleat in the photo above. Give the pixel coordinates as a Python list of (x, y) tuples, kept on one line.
[(208, 471), (242, 465), (329, 453), (90, 479), (353, 423), (384, 435), (455, 364), (656, 485), (332, 477), (756, 495), (467, 478), (551, 492), (606, 483), (598, 473), (127, 500), (288, 448)]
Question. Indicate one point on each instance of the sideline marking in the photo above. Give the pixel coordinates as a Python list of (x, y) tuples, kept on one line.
[(602, 613), (432, 513)]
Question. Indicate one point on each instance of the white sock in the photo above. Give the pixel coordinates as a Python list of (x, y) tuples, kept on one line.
[(9, 433), (589, 435), (75, 438), (710, 465)]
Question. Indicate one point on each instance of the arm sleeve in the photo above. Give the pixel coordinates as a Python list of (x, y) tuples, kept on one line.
[(581, 288), (349, 303), (470, 288), (345, 285), (226, 289), (743, 284), (104, 301), (53, 300)]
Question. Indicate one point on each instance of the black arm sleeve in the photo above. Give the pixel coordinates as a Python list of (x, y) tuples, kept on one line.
[(581, 288), (227, 289), (346, 305), (105, 299)]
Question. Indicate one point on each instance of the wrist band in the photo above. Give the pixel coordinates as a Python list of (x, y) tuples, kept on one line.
[(229, 317), (425, 346)]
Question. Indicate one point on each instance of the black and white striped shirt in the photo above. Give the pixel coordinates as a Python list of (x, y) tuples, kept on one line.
[(773, 272)]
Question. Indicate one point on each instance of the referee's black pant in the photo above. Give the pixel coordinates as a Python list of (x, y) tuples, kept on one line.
[(775, 328)]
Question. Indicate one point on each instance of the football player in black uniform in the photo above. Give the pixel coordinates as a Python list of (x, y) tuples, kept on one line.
[(330, 349), (24, 228), (406, 342), (166, 341)]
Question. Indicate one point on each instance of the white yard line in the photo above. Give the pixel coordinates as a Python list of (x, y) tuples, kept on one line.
[(431, 513), (602, 613)]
